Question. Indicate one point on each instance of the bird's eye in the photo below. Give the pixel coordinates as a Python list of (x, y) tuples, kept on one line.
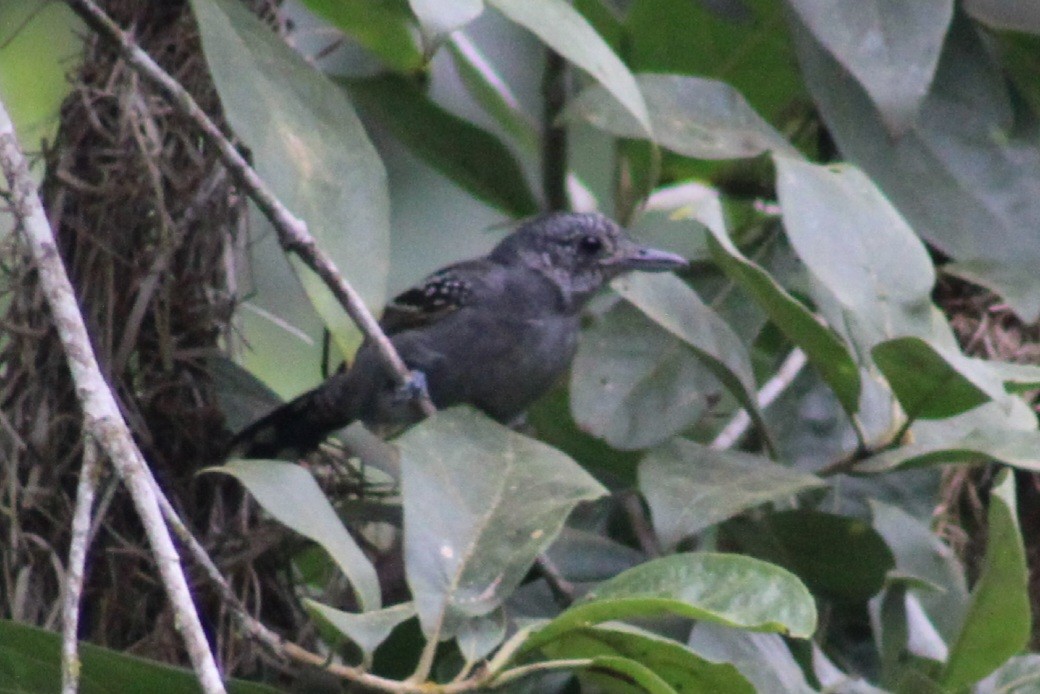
[(590, 244)]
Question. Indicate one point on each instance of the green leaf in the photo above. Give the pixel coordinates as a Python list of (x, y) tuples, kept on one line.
[(1019, 675), (563, 29), (934, 383), (822, 347), (385, 28), (670, 303), (30, 662), (634, 384), (997, 625), (692, 116), (1005, 14), (963, 176), (309, 146), (445, 16), (367, 629), (473, 158), (763, 659), (479, 636), (293, 498), (682, 669), (1020, 449), (488, 89), (690, 487), (858, 247), (892, 48), (629, 671), (726, 589), (837, 556), (739, 43), (919, 552), (480, 503)]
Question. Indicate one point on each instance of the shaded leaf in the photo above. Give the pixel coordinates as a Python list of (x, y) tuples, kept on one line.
[(670, 303), (857, 246), (1019, 675), (385, 28), (692, 116), (837, 556), (822, 347), (1006, 14), (584, 556), (488, 89), (963, 177), (293, 498), (445, 16), (891, 47), (634, 384), (563, 29), (1016, 448), (690, 487), (725, 589), (997, 624), (478, 636), (367, 629), (309, 146), (935, 383), (473, 158), (480, 503)]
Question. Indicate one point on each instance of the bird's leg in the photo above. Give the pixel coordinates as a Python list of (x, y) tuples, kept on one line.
[(414, 389)]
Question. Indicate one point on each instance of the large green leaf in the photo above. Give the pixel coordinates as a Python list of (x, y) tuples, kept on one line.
[(634, 384), (726, 589), (693, 116), (309, 146), (473, 158), (764, 659), (963, 175), (480, 503), (385, 28), (690, 487), (932, 382), (30, 663), (563, 29), (837, 556), (997, 625), (822, 347), (677, 665), (741, 44), (293, 498), (670, 303), (858, 247), (891, 47)]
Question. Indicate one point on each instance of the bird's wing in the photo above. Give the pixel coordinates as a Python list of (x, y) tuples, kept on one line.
[(440, 294)]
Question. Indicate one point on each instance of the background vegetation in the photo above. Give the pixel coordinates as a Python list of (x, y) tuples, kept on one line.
[(819, 444)]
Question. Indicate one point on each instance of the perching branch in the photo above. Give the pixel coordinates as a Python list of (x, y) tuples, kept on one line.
[(554, 136), (292, 231), (103, 422)]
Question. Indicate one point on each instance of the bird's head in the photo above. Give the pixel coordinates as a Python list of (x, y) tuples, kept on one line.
[(580, 252)]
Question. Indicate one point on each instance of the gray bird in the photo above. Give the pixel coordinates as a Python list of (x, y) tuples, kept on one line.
[(495, 332)]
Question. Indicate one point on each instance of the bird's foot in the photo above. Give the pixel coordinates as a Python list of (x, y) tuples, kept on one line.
[(414, 389)]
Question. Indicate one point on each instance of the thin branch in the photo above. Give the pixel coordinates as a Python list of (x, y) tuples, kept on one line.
[(554, 137), (785, 375), (85, 492), (292, 231), (103, 422)]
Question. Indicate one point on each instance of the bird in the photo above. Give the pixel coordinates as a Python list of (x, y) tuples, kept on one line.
[(495, 332)]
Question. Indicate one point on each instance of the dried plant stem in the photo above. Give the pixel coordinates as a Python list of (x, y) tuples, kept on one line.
[(292, 231), (103, 420), (85, 492)]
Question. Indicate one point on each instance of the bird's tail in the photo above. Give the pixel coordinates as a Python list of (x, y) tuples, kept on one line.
[(299, 426)]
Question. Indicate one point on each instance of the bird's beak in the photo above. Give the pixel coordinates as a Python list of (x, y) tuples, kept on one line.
[(632, 256)]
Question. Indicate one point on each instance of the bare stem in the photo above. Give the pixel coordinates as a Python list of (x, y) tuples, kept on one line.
[(103, 421), (85, 492), (292, 231), (554, 136)]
